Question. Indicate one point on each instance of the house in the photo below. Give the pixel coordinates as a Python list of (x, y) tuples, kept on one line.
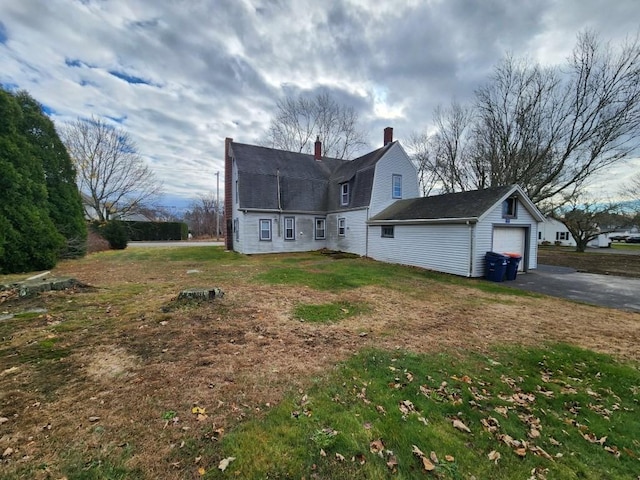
[(292, 202), (555, 232)]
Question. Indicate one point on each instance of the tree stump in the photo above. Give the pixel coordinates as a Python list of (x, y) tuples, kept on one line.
[(201, 294)]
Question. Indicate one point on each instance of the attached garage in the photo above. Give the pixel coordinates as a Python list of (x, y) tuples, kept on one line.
[(451, 233)]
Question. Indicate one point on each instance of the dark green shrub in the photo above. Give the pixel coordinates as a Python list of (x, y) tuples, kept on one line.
[(115, 233)]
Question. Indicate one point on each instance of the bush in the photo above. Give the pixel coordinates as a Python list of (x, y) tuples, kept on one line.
[(115, 233), (156, 231)]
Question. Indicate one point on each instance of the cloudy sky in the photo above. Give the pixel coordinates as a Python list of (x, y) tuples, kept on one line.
[(181, 75)]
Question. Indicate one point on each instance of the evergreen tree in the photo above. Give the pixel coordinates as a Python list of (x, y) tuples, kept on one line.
[(28, 239), (65, 203)]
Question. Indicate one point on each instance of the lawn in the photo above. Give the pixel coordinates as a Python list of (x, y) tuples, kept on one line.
[(595, 261), (310, 366)]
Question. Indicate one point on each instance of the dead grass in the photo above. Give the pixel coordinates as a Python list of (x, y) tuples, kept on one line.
[(124, 354), (603, 262)]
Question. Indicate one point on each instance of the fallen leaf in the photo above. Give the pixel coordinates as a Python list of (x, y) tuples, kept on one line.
[(449, 458), (3, 420), (392, 463), (460, 426), (494, 456), (360, 458), (428, 466), (433, 457), (7, 452), (198, 410), (417, 451), (224, 463), (339, 457), (94, 419), (613, 450), (504, 411), (521, 451), (381, 409), (554, 442), (376, 446), (202, 471), (323, 453)]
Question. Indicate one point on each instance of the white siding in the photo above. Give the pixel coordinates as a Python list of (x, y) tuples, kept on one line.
[(250, 234), (394, 162), (443, 248), (354, 240), (484, 237)]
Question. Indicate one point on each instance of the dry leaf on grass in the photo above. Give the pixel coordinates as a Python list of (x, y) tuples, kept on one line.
[(433, 457), (392, 463), (201, 471), (417, 451), (339, 457), (376, 446), (449, 458), (428, 466), (224, 463), (460, 426), (494, 456)]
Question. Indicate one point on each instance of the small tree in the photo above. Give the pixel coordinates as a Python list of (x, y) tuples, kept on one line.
[(112, 176)]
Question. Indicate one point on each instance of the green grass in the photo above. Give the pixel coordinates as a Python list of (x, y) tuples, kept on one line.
[(328, 312), (626, 246), (363, 400)]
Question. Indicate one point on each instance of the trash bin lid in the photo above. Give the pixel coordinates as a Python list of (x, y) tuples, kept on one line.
[(512, 255)]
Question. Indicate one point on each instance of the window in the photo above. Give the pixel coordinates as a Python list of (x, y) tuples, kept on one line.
[(510, 208), (342, 226), (344, 194), (289, 228), (265, 230), (396, 186), (387, 231), (562, 235), (236, 191), (320, 228), (539, 235), (236, 229)]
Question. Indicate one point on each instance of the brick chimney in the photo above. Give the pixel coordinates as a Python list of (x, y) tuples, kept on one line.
[(318, 149), (228, 194), (388, 135)]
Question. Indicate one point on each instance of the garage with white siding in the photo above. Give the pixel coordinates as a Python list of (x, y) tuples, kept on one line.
[(451, 233)]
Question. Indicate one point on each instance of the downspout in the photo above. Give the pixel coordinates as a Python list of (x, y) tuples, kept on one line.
[(279, 204), (366, 236), (470, 248)]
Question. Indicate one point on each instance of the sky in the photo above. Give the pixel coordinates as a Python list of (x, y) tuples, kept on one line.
[(181, 75)]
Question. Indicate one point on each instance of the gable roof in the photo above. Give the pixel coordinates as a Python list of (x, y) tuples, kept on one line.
[(452, 207), (273, 179)]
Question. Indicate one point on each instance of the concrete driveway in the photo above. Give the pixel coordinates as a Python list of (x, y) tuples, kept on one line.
[(604, 290)]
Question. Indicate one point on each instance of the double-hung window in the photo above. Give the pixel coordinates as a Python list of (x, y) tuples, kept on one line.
[(342, 226), (265, 230), (321, 224), (289, 228), (344, 194), (396, 186)]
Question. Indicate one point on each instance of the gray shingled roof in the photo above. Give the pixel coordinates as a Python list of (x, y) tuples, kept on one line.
[(470, 204), (305, 184)]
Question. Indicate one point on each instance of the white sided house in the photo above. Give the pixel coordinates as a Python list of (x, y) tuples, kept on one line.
[(555, 232), (279, 201), (451, 233)]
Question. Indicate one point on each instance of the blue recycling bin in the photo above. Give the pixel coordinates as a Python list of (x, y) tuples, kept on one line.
[(512, 265), (495, 266)]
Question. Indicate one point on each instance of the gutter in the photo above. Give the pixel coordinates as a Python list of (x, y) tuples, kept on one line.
[(424, 221)]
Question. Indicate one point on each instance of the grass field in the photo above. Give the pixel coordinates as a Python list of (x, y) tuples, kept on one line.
[(310, 366)]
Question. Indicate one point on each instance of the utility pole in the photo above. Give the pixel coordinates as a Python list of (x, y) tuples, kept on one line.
[(217, 206)]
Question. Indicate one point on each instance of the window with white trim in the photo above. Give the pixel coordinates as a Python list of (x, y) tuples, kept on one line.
[(562, 235), (342, 226), (510, 208), (344, 194), (265, 230), (321, 226), (387, 231), (289, 228), (396, 186), (236, 229)]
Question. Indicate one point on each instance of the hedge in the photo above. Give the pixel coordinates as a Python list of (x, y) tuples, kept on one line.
[(154, 231)]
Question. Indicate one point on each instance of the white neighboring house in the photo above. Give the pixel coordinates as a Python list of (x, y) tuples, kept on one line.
[(281, 201), (555, 232)]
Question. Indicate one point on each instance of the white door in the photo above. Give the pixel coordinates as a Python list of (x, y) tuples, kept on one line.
[(509, 240)]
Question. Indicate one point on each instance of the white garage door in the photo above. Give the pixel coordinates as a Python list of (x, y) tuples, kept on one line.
[(509, 240)]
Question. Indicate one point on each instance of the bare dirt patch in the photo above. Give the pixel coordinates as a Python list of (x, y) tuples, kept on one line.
[(133, 361)]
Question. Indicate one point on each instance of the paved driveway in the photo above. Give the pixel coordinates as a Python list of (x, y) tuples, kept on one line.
[(605, 290)]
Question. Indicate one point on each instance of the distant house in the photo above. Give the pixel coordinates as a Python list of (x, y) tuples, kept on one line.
[(555, 232), (291, 202)]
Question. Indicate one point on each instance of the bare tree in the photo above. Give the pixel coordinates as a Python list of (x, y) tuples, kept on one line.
[(202, 216), (547, 129), (298, 121), (112, 177), (586, 218)]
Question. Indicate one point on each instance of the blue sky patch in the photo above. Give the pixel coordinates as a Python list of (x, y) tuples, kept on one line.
[(119, 120), (48, 110), (129, 78), (73, 62)]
